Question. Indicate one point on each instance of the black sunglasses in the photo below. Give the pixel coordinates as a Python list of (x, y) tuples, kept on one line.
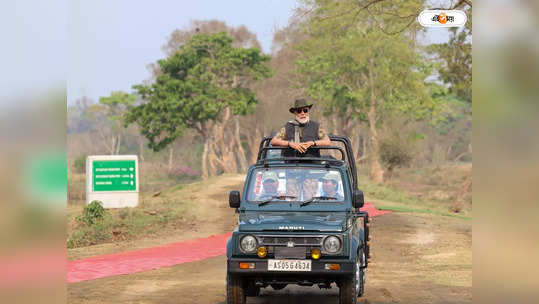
[(304, 110)]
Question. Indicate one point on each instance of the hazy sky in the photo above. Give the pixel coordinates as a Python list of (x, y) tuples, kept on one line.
[(112, 41), (33, 53)]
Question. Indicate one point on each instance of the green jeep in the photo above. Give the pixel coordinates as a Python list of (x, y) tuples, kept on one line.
[(299, 223)]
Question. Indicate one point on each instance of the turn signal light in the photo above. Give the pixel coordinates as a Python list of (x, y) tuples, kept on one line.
[(244, 265), (262, 252), (316, 254), (332, 267)]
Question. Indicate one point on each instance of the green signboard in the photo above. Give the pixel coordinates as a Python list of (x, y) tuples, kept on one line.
[(114, 175)]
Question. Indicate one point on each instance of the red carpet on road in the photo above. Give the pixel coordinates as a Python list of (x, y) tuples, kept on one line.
[(157, 257), (373, 211), (146, 259)]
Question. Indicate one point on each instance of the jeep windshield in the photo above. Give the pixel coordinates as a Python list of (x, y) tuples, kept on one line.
[(298, 184)]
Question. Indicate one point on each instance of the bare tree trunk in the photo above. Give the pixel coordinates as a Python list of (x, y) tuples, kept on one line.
[(225, 151), (364, 153), (448, 152), (229, 147), (170, 154), (356, 142), (213, 161), (242, 159), (140, 148), (377, 173), (334, 125), (205, 169), (118, 144), (457, 159), (113, 145), (253, 138)]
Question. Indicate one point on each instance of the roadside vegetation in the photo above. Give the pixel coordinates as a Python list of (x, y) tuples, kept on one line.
[(91, 225), (439, 190)]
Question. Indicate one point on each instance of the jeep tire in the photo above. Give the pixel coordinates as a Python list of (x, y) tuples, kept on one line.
[(352, 286), (251, 290), (235, 293), (361, 273)]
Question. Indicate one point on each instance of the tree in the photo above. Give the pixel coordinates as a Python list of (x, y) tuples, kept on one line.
[(455, 57), (76, 118), (243, 38), (200, 87), (107, 118), (353, 67)]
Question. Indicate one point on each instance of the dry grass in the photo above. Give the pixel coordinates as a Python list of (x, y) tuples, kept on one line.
[(439, 189)]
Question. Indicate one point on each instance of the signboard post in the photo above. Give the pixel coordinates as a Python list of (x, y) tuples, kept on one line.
[(113, 180)]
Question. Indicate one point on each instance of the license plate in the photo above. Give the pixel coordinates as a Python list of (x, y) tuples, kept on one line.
[(289, 265)]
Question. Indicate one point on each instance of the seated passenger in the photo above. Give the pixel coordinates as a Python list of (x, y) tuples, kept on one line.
[(301, 133), (330, 186), (270, 184)]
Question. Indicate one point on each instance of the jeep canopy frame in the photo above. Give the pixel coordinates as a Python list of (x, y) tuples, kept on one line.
[(347, 156)]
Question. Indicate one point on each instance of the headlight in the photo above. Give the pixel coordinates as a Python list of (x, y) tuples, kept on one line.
[(332, 244), (248, 244)]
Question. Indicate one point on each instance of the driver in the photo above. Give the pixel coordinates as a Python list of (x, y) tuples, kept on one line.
[(270, 184), (330, 185)]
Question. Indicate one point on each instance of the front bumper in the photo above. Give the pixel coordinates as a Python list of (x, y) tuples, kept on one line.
[(317, 269)]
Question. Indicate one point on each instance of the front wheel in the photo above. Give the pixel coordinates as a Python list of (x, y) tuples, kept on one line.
[(235, 293), (353, 286), (360, 274)]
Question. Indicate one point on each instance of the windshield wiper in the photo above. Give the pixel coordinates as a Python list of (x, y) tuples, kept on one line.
[(316, 198), (271, 198)]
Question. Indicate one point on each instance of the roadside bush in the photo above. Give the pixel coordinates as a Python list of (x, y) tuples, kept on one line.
[(99, 232), (395, 152), (92, 213)]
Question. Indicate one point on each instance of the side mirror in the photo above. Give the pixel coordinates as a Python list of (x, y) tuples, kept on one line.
[(234, 199), (358, 200)]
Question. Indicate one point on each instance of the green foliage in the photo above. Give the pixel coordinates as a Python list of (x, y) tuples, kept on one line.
[(455, 58), (110, 109), (350, 61), (106, 117), (80, 164), (205, 75), (93, 213), (453, 124)]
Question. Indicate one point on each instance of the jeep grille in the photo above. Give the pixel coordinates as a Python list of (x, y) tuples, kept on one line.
[(283, 240)]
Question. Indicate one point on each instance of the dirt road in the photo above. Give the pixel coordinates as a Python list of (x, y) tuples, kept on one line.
[(417, 258)]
